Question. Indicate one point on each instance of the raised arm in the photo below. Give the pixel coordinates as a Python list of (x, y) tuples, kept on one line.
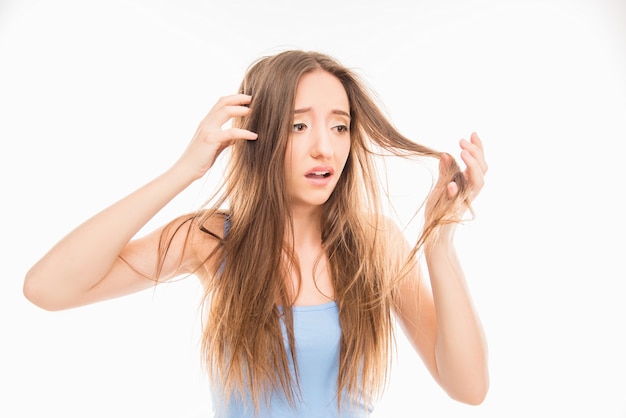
[(91, 263), (440, 320)]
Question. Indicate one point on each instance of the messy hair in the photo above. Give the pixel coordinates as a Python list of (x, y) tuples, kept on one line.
[(248, 295)]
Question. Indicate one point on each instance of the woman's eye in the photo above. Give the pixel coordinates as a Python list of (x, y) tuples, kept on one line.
[(341, 128), (299, 127)]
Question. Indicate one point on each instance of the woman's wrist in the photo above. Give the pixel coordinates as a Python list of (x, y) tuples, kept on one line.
[(182, 174), (441, 239)]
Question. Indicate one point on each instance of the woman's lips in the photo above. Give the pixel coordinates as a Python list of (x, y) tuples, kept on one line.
[(319, 176)]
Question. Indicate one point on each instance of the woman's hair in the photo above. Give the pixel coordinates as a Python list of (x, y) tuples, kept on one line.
[(248, 293)]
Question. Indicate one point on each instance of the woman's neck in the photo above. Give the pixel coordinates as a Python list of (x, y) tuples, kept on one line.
[(306, 227)]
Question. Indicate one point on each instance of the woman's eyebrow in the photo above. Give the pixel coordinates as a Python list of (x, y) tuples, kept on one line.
[(334, 111), (341, 112)]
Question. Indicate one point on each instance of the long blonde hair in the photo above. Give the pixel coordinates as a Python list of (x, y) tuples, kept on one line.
[(242, 342)]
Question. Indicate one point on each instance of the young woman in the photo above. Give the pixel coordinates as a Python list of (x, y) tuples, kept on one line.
[(303, 274)]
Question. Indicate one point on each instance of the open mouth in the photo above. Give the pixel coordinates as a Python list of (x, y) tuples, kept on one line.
[(318, 174)]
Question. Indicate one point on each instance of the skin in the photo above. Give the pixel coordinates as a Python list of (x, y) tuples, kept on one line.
[(441, 324), (320, 141)]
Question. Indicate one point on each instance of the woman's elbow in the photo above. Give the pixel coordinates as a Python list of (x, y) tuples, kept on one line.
[(475, 398), (38, 295), (474, 394)]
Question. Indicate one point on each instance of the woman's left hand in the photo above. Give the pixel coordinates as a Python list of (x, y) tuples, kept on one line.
[(473, 155)]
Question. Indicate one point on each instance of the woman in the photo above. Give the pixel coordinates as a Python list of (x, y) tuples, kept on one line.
[(303, 275)]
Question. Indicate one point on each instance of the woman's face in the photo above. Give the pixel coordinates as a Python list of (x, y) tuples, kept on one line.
[(320, 140)]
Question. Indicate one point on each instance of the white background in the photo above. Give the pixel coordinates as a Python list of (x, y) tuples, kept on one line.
[(97, 98)]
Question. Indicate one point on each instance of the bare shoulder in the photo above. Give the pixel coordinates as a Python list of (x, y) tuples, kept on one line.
[(387, 229), (185, 245), (203, 235)]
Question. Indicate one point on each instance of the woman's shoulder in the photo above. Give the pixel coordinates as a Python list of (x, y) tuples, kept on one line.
[(382, 224), (202, 235), (212, 224), (390, 236)]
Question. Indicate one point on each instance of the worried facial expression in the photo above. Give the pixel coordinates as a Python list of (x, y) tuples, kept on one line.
[(320, 140)]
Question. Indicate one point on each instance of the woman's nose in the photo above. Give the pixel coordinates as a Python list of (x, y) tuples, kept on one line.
[(322, 145)]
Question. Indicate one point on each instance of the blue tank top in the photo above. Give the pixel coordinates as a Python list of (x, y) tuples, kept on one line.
[(317, 336)]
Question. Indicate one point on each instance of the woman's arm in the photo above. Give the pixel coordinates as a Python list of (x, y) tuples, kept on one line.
[(88, 264), (440, 319), (442, 325)]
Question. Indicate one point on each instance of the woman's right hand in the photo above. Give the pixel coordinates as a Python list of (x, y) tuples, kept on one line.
[(211, 139)]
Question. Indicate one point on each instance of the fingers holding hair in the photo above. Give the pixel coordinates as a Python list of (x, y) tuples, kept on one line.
[(226, 108), (473, 155), (473, 177), (446, 164), (476, 150), (212, 137)]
